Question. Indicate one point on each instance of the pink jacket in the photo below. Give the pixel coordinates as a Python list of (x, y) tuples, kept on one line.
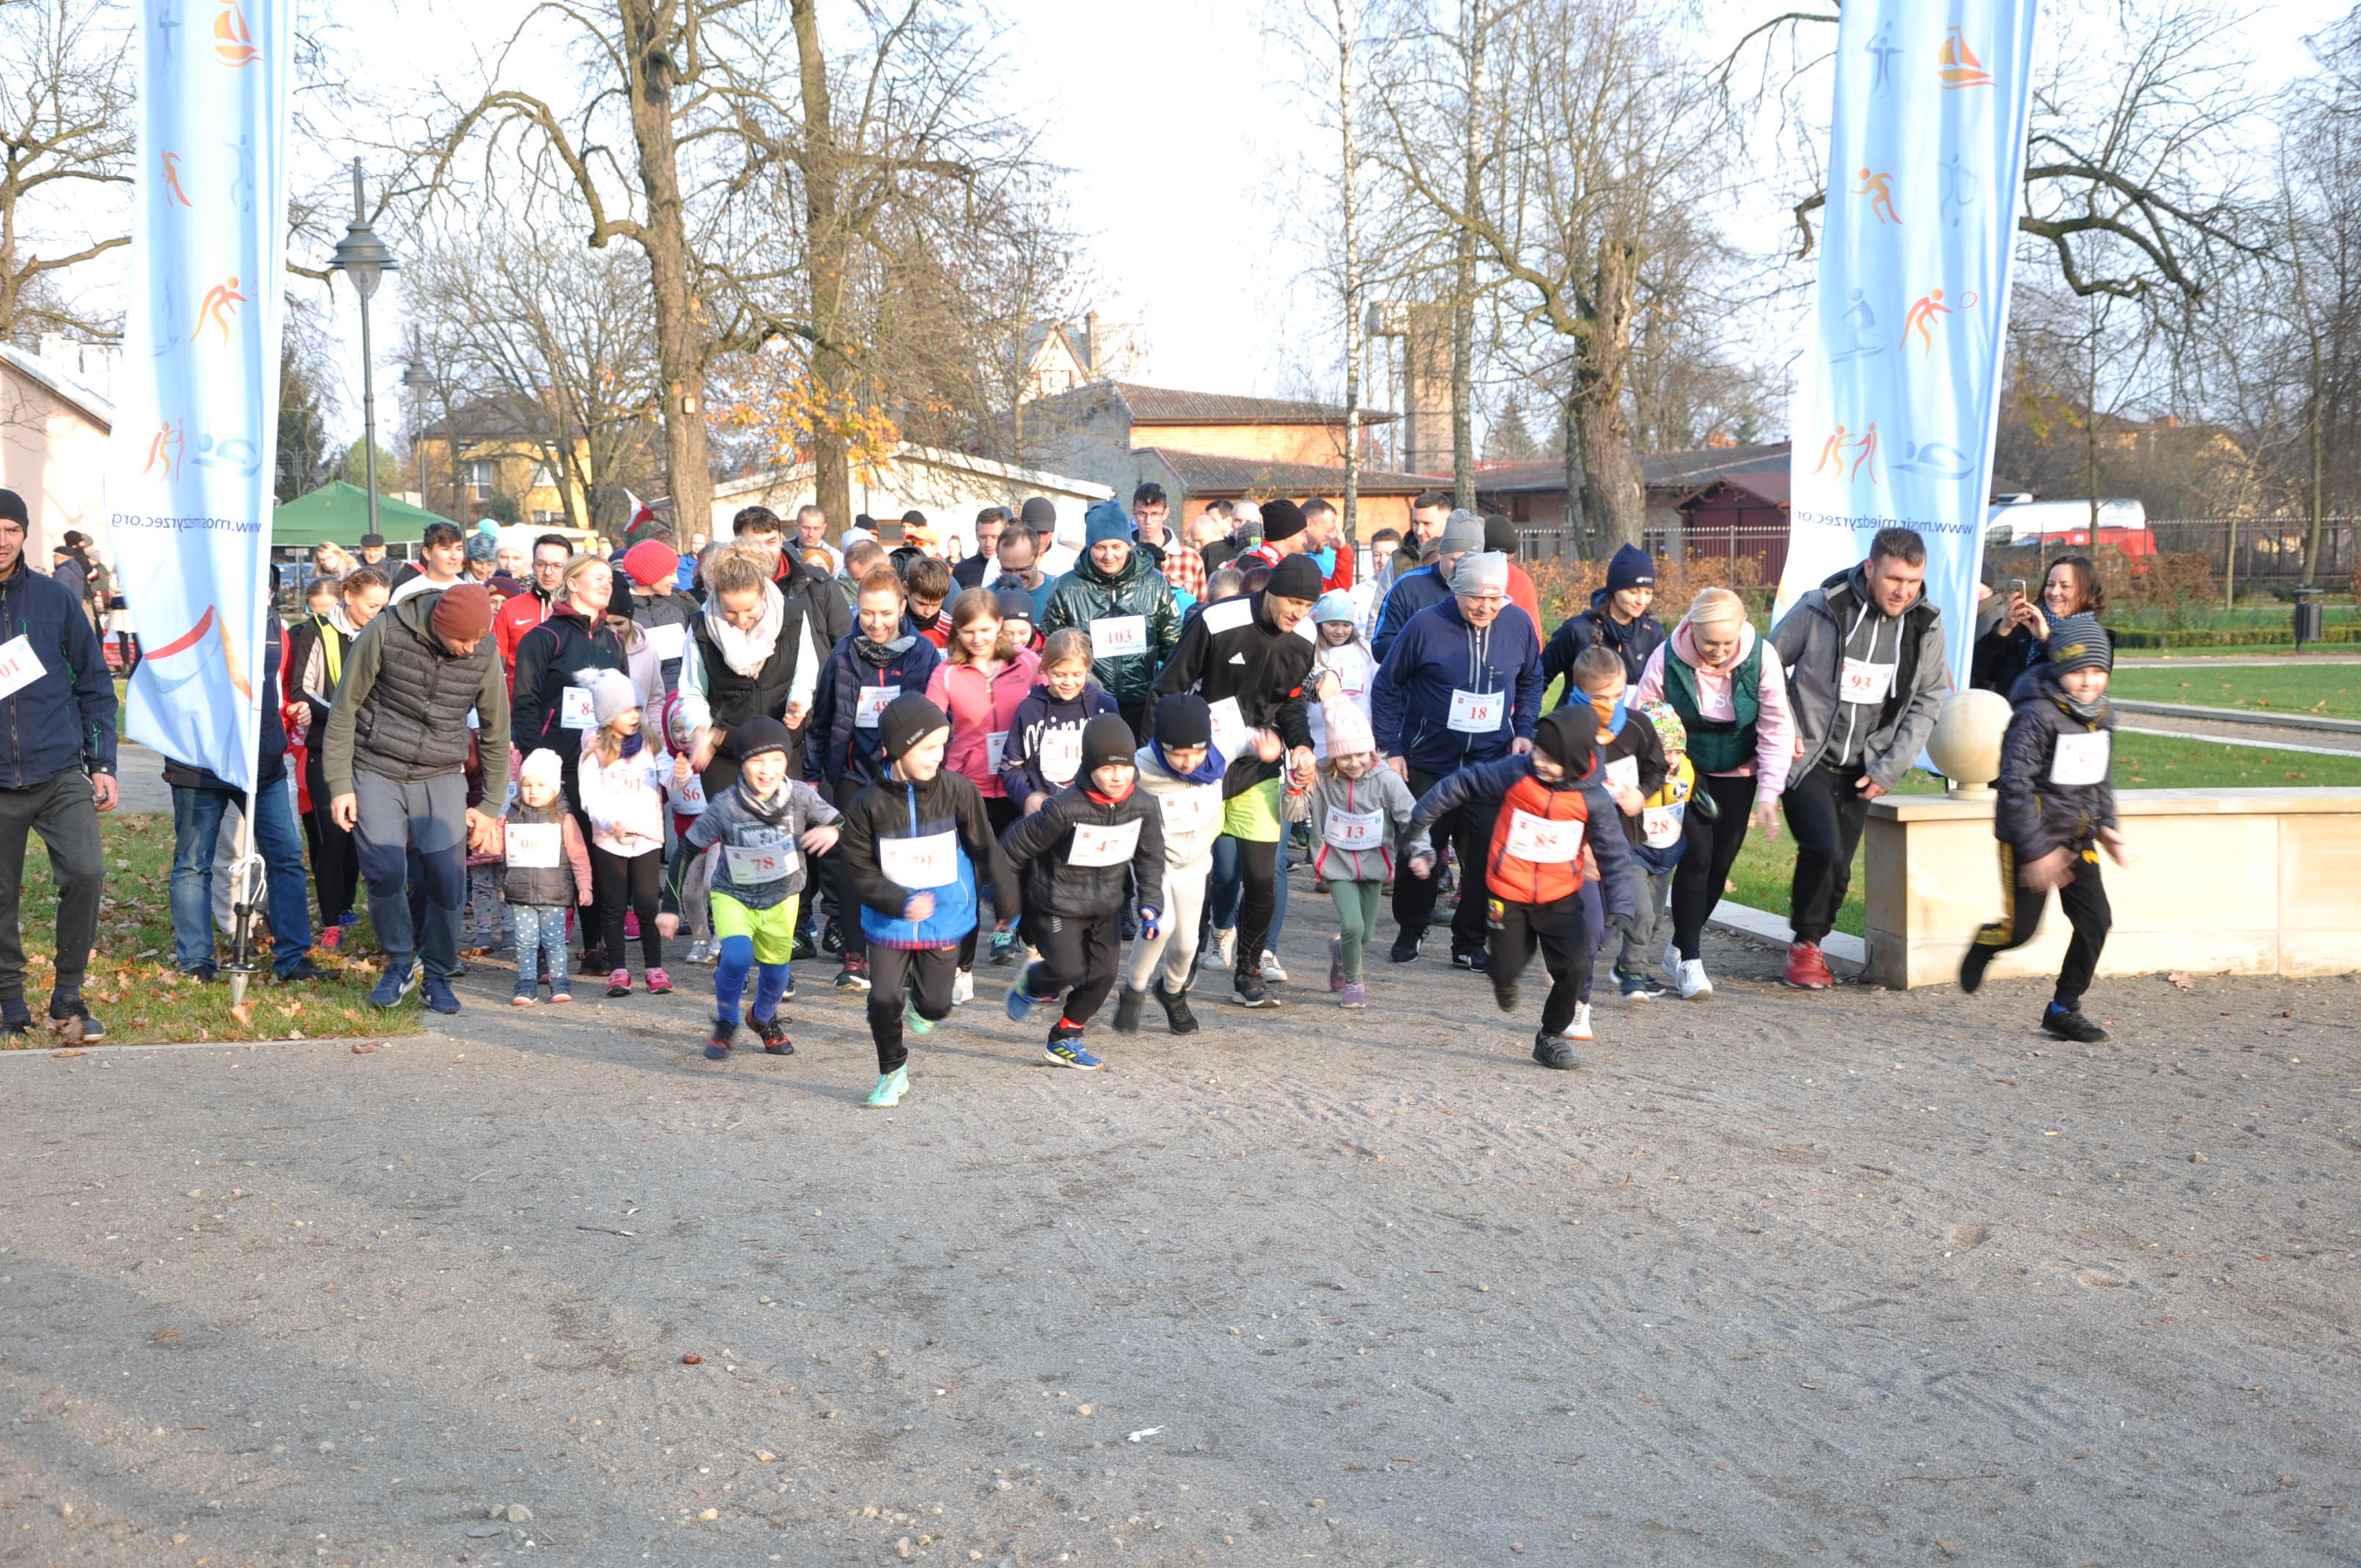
[(979, 709), (1775, 722)]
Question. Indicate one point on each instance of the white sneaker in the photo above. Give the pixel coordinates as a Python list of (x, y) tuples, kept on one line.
[(1672, 958), (1270, 969), (1690, 976), (1580, 1028), (1226, 947), (963, 988)]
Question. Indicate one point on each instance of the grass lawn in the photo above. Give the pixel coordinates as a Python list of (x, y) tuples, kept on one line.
[(2333, 691), (1765, 872), (132, 985)]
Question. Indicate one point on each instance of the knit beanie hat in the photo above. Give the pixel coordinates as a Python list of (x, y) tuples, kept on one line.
[(541, 767), (1106, 521), (757, 736), (2079, 642), (1294, 578), (1485, 571), (1016, 604), (612, 695), (1183, 719), (1281, 519), (1349, 734), (1565, 737), (1463, 531), (462, 613), (1670, 730), (482, 546), (908, 719), (1040, 514), (1334, 605), (1631, 568), (1106, 739), (651, 562), (1500, 535)]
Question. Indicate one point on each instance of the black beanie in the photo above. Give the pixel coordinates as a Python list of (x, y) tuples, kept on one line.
[(1281, 519), (1040, 514), (1565, 738), (757, 736), (907, 719), (1500, 535), (1106, 739), (1183, 719), (1294, 578)]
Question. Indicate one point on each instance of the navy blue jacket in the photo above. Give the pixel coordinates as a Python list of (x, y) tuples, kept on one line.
[(1438, 653), (1411, 592), (65, 718), (840, 749), (1634, 641)]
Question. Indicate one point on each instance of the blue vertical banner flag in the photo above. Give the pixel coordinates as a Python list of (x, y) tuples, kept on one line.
[(1899, 389), (195, 451)]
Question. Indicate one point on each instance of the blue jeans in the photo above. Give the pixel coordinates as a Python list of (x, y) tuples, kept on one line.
[(540, 947), (196, 832)]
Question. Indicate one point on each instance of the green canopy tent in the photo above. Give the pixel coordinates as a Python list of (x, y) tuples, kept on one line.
[(337, 513)]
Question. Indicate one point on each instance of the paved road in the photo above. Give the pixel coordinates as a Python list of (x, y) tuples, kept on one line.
[(1882, 1276)]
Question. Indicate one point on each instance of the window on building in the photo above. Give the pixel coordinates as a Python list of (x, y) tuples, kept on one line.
[(478, 472)]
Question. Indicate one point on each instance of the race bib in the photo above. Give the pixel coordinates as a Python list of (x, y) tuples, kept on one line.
[(1230, 730), (2081, 758), (688, 796), (575, 710), (1061, 755), (1118, 636), (1357, 829), (1540, 841), (920, 863), (995, 747), (870, 705), (1098, 845), (1186, 812), (667, 641), (1660, 825), (1228, 615), (767, 862), (1624, 772), (534, 846), (1861, 681), (1477, 713)]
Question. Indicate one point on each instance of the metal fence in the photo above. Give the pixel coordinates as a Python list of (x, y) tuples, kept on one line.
[(2266, 552)]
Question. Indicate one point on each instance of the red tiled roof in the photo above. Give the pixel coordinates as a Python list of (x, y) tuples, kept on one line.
[(1204, 472), (1167, 405), (1688, 471)]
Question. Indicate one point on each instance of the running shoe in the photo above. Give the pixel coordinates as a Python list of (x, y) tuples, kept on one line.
[(889, 1090)]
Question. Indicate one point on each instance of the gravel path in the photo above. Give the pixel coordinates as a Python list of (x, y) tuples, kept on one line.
[(1879, 1277)]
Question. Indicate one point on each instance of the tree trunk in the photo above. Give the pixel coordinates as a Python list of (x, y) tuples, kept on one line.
[(648, 37), (826, 246), (1348, 28), (1578, 516), (1462, 274), (1612, 495)]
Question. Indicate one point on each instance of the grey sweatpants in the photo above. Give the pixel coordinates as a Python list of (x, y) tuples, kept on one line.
[(1652, 901), (1175, 944), (64, 812)]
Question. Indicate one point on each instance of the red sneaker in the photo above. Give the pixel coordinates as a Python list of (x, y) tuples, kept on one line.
[(1806, 969), (332, 938)]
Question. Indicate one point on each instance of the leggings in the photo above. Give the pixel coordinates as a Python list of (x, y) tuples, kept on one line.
[(2084, 900), (540, 947), (730, 967), (1225, 887), (629, 882), (1564, 938), (1710, 850), (1000, 811), (1358, 904), (1259, 881), (919, 977), (1078, 957)]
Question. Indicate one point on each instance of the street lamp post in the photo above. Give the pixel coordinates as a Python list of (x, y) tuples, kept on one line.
[(417, 382), (363, 258)]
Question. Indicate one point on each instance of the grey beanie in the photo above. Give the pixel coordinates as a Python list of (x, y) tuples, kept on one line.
[(2078, 642), (612, 695), (1462, 532), (1485, 571)]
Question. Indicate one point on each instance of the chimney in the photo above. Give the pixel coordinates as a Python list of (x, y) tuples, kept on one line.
[(1091, 343)]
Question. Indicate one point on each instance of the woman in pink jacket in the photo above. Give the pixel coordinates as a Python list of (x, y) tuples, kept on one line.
[(982, 679), (1728, 688)]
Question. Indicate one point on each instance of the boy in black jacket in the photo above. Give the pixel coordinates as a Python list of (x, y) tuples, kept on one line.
[(1079, 852), (2057, 811)]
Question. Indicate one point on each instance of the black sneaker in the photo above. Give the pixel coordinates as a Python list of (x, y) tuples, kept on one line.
[(804, 947), (1127, 1011), (92, 1029), (1406, 944), (1177, 1016), (2066, 1023), (774, 1037), (832, 939), (594, 961), (1505, 994), (15, 1018), (1473, 961), (716, 1040), (1250, 992), (1973, 964), (1556, 1051), (854, 975), (301, 970)]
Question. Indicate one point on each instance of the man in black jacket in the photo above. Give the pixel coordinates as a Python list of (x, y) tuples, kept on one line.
[(57, 773)]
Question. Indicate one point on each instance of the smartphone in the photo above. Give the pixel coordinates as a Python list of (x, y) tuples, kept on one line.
[(2017, 588)]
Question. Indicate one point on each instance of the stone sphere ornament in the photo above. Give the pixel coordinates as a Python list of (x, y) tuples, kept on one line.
[(1965, 747)]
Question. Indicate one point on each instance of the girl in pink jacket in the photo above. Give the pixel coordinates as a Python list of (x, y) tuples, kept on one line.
[(983, 677)]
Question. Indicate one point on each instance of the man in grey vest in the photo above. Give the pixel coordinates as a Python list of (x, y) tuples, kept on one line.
[(395, 766)]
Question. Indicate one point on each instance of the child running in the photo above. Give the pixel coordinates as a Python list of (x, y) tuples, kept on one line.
[(1552, 804), (2057, 811), (1344, 653), (548, 874), (1188, 779), (622, 777), (1631, 760), (1360, 809), (980, 683), (1663, 817), (912, 848), (1075, 852), (1044, 734), (763, 824)]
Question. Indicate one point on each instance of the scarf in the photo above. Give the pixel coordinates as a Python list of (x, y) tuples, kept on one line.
[(1091, 790), (882, 653), (747, 651), (771, 812), (340, 620), (632, 742), (1210, 770), (2088, 712)]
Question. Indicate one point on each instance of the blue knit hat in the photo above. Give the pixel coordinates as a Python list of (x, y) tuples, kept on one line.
[(1334, 605), (1107, 520)]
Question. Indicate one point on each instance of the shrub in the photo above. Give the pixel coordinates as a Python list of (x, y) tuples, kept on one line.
[(1566, 586)]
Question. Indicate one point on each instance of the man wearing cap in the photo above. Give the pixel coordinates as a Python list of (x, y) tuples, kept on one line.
[(973, 572), (372, 548), (440, 561), (1460, 684), (396, 761), (918, 542), (1119, 597), (1430, 585), (1060, 540), (1617, 617), (1866, 675)]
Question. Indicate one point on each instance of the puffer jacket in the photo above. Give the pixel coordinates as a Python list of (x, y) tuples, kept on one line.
[(401, 709), (1438, 654), (65, 717), (843, 746), (1086, 594), (550, 658), (2037, 812), (1810, 639), (1044, 845), (898, 809), (1380, 791), (1512, 783)]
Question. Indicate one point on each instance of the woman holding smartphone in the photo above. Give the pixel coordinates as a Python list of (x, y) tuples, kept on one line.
[(2018, 640)]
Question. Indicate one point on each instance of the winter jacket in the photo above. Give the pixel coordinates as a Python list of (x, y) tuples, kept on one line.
[(1356, 823), (1515, 866), (517, 616), (1413, 591), (567, 883), (1634, 759), (1080, 851), (1191, 811), (1812, 640), (270, 750), (1634, 640), (1357, 673), (624, 799), (1663, 821), (715, 696), (842, 732), (402, 709), (65, 717), (317, 647), (1753, 695), (760, 832), (981, 707), (2057, 779), (1103, 606), (830, 610), (2002, 655), (1439, 654), (550, 658), (1233, 652), (654, 611), (939, 824), (1044, 750)]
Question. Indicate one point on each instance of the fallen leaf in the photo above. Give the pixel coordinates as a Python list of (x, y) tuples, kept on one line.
[(1947, 1548), (169, 1333), (244, 1014), (2180, 977), (361, 1049)]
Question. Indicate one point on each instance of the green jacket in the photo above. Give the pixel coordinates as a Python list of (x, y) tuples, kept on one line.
[(1087, 594)]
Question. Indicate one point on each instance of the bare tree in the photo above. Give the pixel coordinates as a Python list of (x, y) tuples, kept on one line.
[(65, 131)]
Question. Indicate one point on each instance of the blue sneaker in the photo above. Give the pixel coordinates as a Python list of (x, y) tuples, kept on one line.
[(1635, 986), (916, 1022), (1021, 999), (1006, 947), (1066, 1050), (395, 985), (437, 995)]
